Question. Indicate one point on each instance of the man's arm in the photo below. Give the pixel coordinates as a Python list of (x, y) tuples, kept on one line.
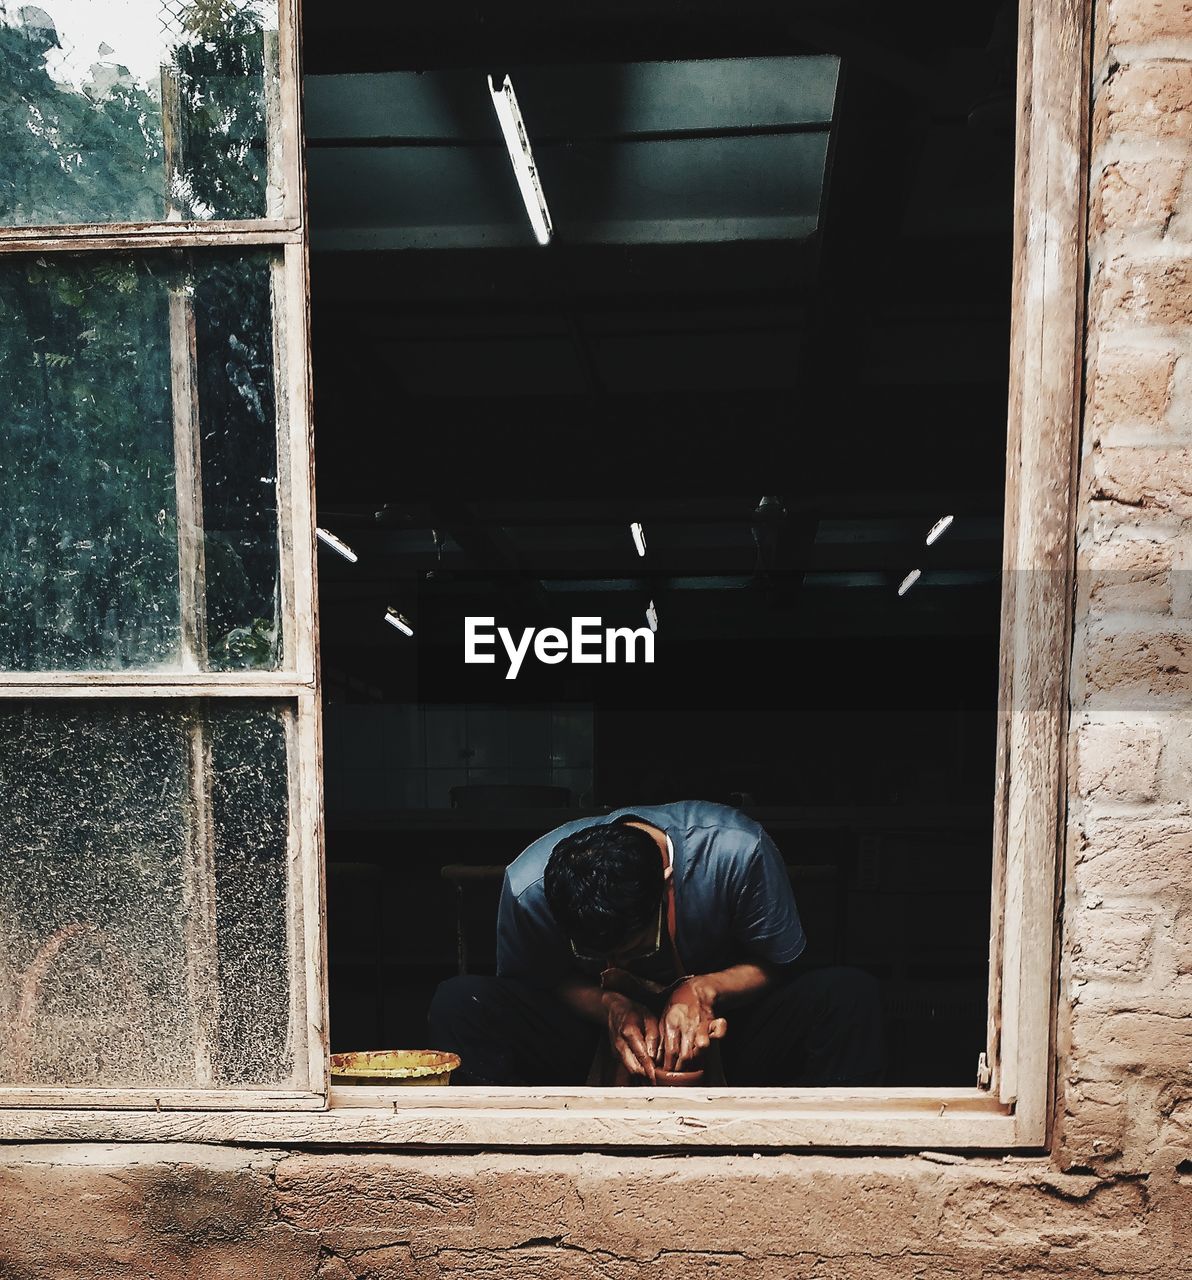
[(766, 927), (693, 1018), (736, 985)]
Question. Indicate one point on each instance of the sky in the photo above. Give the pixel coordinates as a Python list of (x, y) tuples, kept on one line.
[(133, 30)]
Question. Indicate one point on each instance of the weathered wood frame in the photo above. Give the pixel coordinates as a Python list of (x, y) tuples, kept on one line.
[(1015, 1111), (295, 685), (1043, 450)]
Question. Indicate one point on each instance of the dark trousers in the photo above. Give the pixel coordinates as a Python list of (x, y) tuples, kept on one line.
[(822, 1027)]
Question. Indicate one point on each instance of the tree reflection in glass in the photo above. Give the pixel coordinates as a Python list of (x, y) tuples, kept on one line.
[(102, 394), (138, 111)]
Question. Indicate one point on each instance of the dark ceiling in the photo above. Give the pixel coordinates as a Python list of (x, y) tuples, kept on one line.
[(488, 419), (378, 35)]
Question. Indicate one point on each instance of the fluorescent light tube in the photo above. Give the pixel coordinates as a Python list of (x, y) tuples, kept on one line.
[(336, 545), (652, 616), (938, 529), (399, 620), (908, 582), (517, 143), (639, 537)]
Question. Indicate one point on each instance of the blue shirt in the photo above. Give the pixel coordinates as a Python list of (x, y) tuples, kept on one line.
[(733, 898)]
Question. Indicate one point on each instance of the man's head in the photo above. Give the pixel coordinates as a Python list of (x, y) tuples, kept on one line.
[(604, 887)]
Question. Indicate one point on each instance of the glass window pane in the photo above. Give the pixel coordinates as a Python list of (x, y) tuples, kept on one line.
[(138, 463), (143, 929), (137, 111)]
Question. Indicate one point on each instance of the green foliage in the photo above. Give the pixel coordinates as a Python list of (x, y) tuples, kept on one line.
[(88, 549), (251, 646), (89, 574)]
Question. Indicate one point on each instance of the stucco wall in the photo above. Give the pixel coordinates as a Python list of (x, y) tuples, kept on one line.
[(1114, 1199), (190, 1213)]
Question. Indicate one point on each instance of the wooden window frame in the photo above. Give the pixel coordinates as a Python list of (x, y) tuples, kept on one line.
[(295, 684), (1011, 1108)]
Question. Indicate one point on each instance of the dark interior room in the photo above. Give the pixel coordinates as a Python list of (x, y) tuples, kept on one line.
[(767, 346)]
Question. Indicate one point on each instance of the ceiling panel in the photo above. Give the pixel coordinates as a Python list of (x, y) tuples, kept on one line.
[(639, 153)]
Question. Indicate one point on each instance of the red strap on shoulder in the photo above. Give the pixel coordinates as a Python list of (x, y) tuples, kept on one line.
[(671, 922)]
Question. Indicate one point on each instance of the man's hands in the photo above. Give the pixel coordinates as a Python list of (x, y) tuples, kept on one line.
[(688, 1026), (645, 1044), (689, 1023), (633, 1034)]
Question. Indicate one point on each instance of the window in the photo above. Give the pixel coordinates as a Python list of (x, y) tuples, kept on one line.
[(762, 356), (171, 642), (158, 713)]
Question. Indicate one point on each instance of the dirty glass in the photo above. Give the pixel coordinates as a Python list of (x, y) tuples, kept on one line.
[(136, 111), (103, 391), (143, 937)]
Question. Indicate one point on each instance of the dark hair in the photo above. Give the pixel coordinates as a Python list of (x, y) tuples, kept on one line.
[(604, 884)]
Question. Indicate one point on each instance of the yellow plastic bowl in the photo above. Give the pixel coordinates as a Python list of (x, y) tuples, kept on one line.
[(393, 1066)]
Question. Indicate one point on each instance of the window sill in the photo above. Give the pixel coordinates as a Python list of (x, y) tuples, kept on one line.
[(756, 1119)]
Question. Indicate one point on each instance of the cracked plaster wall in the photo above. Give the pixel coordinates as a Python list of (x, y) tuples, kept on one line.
[(195, 1212), (1114, 1198)]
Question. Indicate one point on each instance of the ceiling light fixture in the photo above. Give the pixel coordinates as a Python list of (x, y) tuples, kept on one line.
[(399, 620), (517, 143), (941, 526), (909, 581), (652, 616), (639, 537), (337, 545)]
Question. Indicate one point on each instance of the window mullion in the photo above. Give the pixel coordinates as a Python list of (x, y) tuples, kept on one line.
[(199, 886), (198, 898), (188, 477), (151, 235), (123, 684)]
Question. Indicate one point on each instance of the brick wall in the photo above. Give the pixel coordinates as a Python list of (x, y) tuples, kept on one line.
[(1115, 1198), (1126, 1080)]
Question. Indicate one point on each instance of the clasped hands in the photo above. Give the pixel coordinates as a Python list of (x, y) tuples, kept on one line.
[(669, 1042)]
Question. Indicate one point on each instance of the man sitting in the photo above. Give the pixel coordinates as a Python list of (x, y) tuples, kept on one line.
[(666, 927)]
